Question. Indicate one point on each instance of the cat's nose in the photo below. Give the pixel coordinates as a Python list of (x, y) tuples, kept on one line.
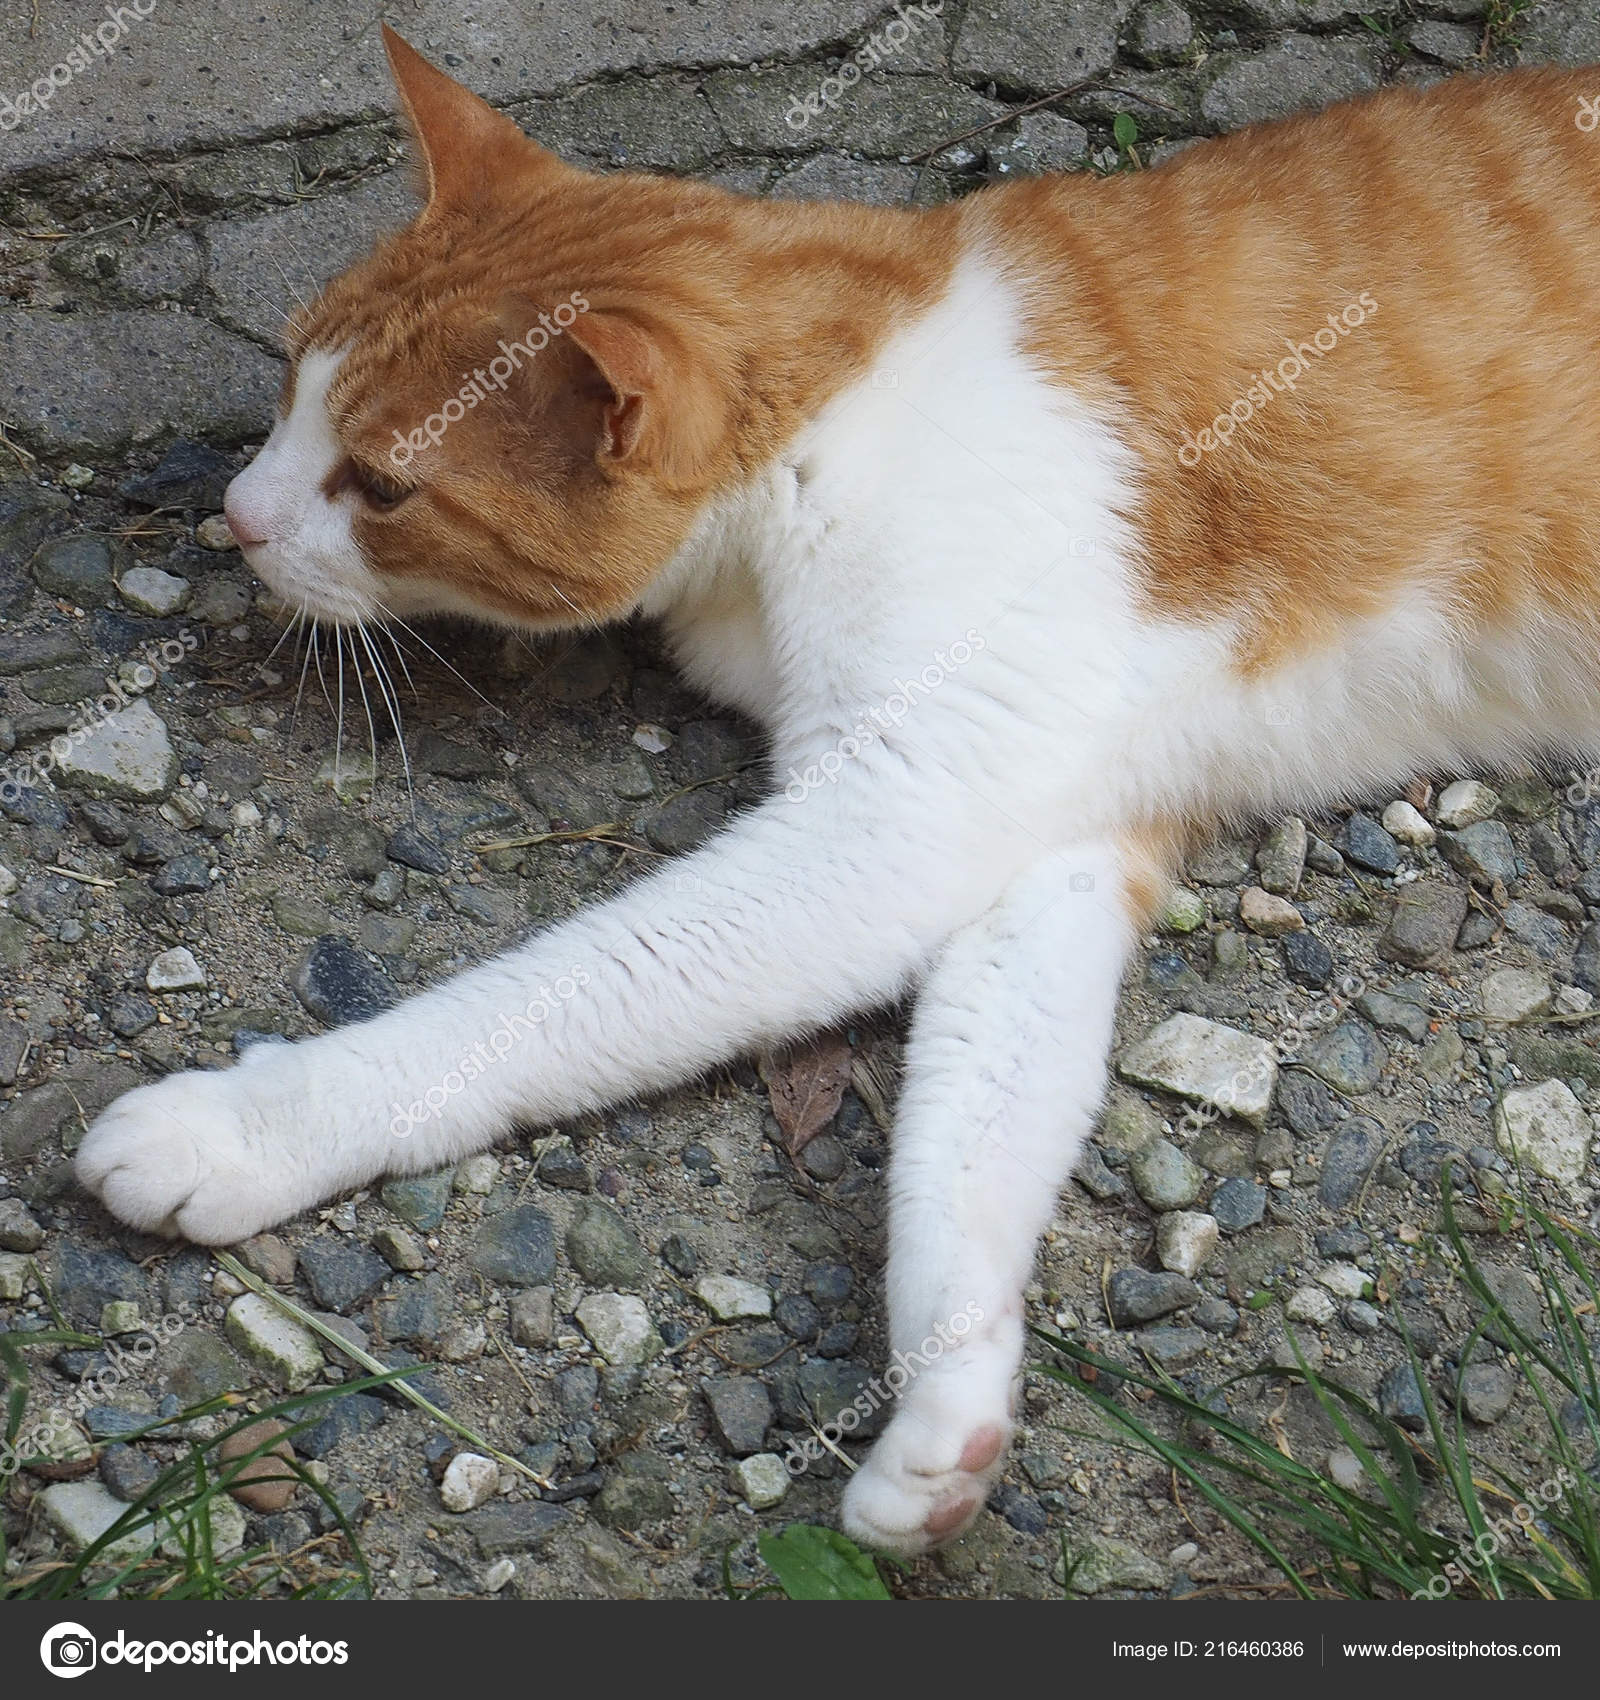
[(244, 518)]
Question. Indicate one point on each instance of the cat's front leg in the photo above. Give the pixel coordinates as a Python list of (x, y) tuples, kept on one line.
[(1004, 1075), (800, 913)]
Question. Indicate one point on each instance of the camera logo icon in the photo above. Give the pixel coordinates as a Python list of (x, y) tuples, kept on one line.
[(68, 1650)]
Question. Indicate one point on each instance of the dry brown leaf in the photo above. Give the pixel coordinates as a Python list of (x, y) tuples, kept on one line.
[(807, 1086)]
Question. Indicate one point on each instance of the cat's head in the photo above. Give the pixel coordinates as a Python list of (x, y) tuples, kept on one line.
[(516, 406)]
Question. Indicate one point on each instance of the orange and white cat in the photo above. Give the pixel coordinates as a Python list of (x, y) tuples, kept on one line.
[(1039, 531)]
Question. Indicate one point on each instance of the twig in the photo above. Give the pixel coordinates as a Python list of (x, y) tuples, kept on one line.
[(238, 1271), (82, 879), (1033, 106)]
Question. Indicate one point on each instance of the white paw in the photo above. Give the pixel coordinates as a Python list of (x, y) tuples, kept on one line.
[(176, 1158), (924, 1482)]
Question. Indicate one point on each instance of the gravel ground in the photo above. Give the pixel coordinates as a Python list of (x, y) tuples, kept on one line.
[(1397, 985)]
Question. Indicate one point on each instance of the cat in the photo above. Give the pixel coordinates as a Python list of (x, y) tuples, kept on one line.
[(1041, 532)]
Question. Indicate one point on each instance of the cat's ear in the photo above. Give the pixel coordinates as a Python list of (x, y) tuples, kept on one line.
[(659, 411), (463, 143)]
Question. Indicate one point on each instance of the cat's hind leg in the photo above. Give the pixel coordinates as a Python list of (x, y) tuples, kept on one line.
[(1005, 1073)]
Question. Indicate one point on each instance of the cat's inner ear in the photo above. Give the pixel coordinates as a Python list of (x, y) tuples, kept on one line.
[(658, 411), (464, 146)]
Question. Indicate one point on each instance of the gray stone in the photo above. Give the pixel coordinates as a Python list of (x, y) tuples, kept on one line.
[(340, 1273), (620, 1328), (741, 1412), (1422, 930), (1296, 72), (1138, 1295), (420, 1200), (1281, 860), (1483, 852), (82, 383), (336, 983), (78, 569), (1350, 1058), (604, 1249), (1401, 1399), (1238, 1204), (1394, 1014), (1349, 1160), (517, 1248), (529, 1526), (1546, 1128), (1097, 1563), (1002, 41), (1366, 844), (128, 755), (196, 1367), (19, 1231), (1205, 1060), (1164, 1177)]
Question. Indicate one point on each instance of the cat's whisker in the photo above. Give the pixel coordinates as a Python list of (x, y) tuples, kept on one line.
[(316, 650), (338, 726), (400, 656), (361, 682), (283, 637), (289, 286), (386, 685), (583, 619), (389, 614), (305, 663)]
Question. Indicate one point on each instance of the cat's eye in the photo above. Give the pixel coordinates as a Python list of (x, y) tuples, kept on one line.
[(380, 492)]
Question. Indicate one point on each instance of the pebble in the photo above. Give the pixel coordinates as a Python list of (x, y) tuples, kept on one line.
[(1400, 1398), (1099, 1562), (286, 1349), (619, 1327), (1394, 1014), (1307, 959), (741, 1412), (420, 1200), (1405, 823), (469, 1481), (761, 1480), (399, 1250), (1270, 917), (1464, 804), (1344, 1280), (1164, 1177), (127, 1472), (532, 1314), (339, 1273), (175, 971), (1484, 853), (1238, 1204), (1346, 1470), (1348, 1161), (19, 1230), (149, 590), (1514, 994), (1136, 1296), (1281, 860), (128, 755), (1196, 1058), (730, 1299), (336, 983), (1369, 846), (263, 1484), (1350, 1058), (1487, 1391), (1311, 1305), (1185, 911), (604, 1249), (1545, 1127), (477, 1175), (81, 1512), (214, 533)]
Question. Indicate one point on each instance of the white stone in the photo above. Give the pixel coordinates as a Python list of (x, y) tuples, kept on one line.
[(761, 1480), (1347, 1471), (15, 1275), (8, 881), (175, 971), (1310, 1304), (470, 1480), (1464, 804), (498, 1575), (245, 816), (1513, 994), (652, 739), (1546, 1128), (274, 1340), (81, 1512), (1185, 1240), (226, 1518), (620, 1328), (729, 1299), (1402, 821), (477, 1175), (1345, 1280), (1574, 1000), (128, 755), (1236, 1072), (149, 590), (214, 532)]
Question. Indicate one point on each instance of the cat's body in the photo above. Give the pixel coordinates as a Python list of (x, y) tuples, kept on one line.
[(924, 495)]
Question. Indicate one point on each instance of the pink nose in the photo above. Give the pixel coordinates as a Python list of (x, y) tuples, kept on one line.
[(247, 527)]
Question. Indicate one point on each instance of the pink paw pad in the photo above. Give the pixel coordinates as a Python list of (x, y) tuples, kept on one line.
[(981, 1450)]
